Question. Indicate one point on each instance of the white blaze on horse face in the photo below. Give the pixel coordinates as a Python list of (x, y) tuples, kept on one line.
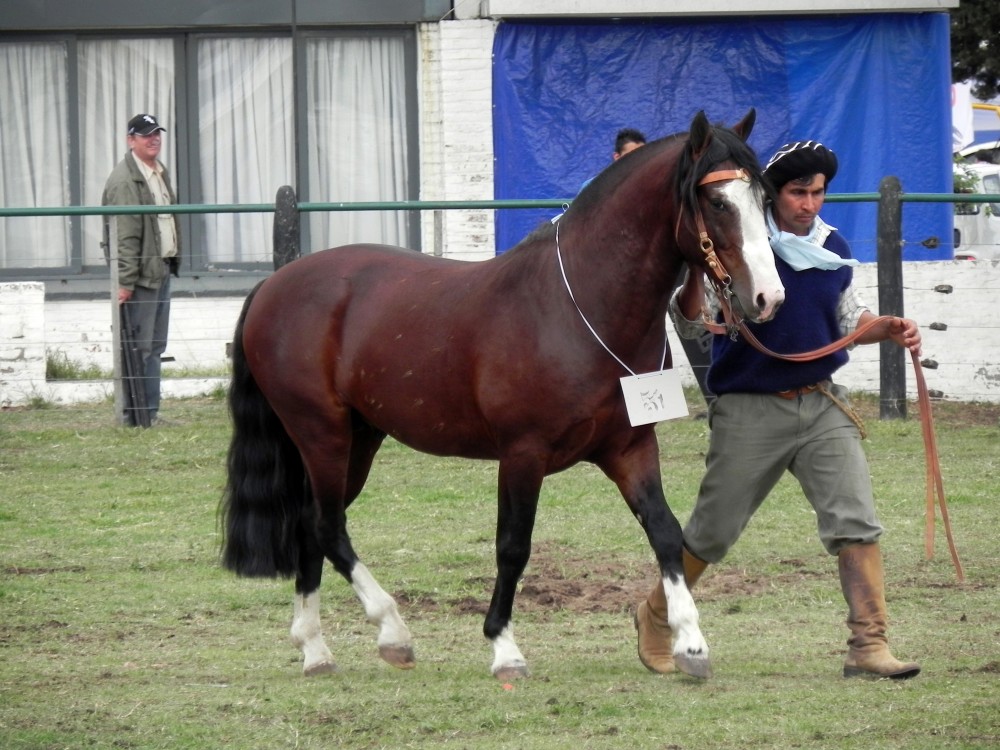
[(766, 292)]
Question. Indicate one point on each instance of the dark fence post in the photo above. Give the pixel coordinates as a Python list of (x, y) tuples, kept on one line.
[(111, 253), (286, 227), (892, 370)]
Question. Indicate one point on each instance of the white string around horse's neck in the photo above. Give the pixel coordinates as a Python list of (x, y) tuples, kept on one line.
[(586, 322)]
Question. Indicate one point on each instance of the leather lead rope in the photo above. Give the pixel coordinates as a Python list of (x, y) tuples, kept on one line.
[(935, 485), (934, 481)]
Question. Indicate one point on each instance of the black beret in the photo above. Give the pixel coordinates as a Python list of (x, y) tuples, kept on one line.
[(800, 159)]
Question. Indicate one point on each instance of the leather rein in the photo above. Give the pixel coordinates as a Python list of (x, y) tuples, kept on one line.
[(735, 325)]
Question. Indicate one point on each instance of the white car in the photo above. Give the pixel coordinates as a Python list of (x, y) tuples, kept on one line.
[(977, 225)]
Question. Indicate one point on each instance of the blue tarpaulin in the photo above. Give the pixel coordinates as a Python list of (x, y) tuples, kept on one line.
[(873, 87)]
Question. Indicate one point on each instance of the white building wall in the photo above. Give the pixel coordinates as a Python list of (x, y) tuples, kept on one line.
[(432, 167), (31, 330), (456, 126), (22, 341), (967, 350)]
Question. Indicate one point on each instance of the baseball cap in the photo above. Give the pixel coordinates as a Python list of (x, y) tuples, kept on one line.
[(143, 125)]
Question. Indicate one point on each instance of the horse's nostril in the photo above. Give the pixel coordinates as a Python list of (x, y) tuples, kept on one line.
[(767, 305)]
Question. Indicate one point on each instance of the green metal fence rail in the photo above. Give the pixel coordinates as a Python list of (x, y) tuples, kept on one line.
[(250, 208), (260, 208)]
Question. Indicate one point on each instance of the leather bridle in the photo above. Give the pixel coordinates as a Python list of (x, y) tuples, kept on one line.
[(719, 276)]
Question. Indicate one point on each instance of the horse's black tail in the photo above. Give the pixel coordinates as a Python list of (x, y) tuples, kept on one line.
[(266, 489)]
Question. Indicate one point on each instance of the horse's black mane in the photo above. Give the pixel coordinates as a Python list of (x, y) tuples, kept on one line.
[(725, 145)]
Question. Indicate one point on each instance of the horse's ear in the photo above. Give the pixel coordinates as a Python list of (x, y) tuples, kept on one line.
[(744, 126), (701, 133)]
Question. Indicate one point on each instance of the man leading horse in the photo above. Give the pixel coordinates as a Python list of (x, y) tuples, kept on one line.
[(772, 416)]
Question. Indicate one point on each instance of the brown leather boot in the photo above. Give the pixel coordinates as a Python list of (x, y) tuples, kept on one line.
[(863, 582), (655, 639)]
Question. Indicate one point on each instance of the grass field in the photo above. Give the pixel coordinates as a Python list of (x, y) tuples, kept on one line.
[(119, 629)]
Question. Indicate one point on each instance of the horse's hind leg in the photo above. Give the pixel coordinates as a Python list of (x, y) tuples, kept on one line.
[(306, 633), (395, 642)]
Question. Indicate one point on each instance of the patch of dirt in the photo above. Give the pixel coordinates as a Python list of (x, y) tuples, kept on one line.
[(558, 581)]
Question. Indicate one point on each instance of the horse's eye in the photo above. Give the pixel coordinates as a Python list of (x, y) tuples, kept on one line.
[(719, 205)]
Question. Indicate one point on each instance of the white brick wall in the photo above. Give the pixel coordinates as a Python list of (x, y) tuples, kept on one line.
[(32, 329), (430, 135), (199, 331), (457, 134), (22, 341), (967, 352), (80, 331)]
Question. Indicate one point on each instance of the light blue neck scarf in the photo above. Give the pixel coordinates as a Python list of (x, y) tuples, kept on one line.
[(805, 252)]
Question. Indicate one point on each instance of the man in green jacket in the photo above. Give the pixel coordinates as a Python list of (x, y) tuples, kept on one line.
[(148, 247)]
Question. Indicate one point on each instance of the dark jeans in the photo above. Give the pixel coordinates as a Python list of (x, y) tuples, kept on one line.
[(150, 313)]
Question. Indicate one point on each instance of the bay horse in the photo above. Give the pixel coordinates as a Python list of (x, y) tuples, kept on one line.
[(515, 359)]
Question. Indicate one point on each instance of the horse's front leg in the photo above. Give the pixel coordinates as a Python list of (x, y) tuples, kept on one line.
[(666, 538), (690, 649), (395, 644), (636, 471), (518, 487)]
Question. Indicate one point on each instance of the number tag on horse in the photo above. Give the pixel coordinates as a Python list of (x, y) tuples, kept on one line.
[(654, 397)]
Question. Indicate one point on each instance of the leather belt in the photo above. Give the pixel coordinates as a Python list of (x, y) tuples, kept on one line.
[(794, 393)]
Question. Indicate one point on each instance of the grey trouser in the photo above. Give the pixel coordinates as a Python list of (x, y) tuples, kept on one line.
[(150, 314), (755, 438)]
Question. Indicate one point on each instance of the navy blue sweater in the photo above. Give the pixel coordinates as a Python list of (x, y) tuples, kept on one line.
[(805, 322)]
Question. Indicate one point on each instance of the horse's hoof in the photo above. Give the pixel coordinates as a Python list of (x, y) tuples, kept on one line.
[(323, 667), (400, 657), (694, 666), (513, 672)]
